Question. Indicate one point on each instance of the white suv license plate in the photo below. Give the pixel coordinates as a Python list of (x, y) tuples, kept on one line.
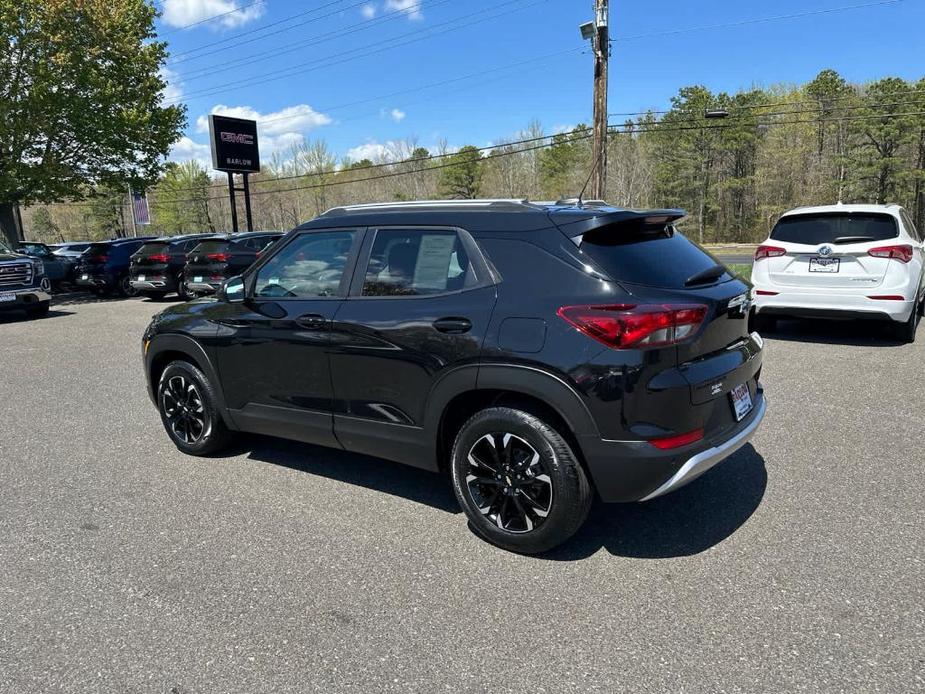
[(197, 280), (824, 264), (141, 278), (7, 297), (741, 401)]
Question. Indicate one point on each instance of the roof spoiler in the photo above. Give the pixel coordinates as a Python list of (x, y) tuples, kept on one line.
[(640, 219)]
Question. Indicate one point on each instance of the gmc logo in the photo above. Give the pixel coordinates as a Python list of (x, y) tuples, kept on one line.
[(238, 138)]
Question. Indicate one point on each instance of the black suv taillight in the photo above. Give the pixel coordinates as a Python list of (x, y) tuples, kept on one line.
[(624, 326)]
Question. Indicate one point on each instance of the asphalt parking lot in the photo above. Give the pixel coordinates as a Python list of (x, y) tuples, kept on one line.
[(797, 565)]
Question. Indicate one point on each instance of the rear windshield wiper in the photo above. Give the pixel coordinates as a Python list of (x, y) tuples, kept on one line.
[(854, 239), (708, 275)]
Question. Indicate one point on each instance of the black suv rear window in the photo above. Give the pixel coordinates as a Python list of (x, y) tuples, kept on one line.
[(98, 249), (654, 258), (816, 229), (152, 248), (217, 246)]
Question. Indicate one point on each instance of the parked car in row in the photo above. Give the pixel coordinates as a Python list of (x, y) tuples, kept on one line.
[(58, 269), (23, 283), (537, 354), (222, 256), (70, 247), (842, 261), (104, 266), (157, 267)]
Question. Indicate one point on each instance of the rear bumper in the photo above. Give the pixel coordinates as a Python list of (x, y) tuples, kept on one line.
[(834, 305), (160, 284), (627, 471), (696, 465), (103, 281), (203, 287), (24, 298)]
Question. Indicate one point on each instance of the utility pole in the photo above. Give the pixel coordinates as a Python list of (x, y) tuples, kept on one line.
[(601, 44)]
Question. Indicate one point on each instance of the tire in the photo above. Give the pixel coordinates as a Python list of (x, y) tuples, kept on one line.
[(39, 311), (529, 470), (125, 288), (182, 291), (182, 384), (764, 324), (905, 332)]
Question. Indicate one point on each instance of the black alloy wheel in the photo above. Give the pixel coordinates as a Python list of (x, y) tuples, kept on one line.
[(508, 482), (184, 410), (518, 480), (125, 287), (186, 401)]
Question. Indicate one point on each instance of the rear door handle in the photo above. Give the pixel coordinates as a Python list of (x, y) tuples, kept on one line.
[(312, 321), (453, 326)]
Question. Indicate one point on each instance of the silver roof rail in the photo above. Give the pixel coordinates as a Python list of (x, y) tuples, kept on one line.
[(485, 203)]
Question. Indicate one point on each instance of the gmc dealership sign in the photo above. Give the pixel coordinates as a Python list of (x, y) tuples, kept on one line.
[(234, 144)]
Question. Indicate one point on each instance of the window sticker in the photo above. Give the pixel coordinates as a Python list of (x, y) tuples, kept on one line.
[(433, 263)]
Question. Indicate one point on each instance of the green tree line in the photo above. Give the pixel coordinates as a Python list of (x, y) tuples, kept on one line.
[(734, 162)]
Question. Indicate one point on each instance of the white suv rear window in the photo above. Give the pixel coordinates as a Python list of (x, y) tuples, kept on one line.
[(835, 228)]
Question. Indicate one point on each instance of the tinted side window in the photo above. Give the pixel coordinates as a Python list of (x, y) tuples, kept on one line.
[(312, 265), (419, 262)]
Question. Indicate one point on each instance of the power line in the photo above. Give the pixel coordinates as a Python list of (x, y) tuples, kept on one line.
[(224, 66), (737, 107), (215, 16), (234, 38), (354, 54)]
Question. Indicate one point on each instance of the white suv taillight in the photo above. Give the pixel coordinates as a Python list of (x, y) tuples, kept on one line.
[(625, 326), (902, 253), (769, 252)]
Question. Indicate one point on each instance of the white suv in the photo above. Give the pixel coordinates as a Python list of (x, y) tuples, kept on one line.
[(842, 261)]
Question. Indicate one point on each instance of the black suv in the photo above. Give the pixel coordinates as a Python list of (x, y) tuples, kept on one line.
[(534, 352), (220, 257), (157, 267), (104, 266), (24, 286)]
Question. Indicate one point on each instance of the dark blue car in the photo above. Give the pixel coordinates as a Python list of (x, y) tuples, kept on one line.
[(104, 266)]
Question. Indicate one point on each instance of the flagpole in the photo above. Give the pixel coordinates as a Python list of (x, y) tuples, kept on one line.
[(131, 205)]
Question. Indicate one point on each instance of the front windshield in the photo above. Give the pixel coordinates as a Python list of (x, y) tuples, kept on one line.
[(4, 248)]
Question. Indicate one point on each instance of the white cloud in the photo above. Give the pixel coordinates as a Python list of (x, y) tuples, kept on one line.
[(187, 149), (173, 91), (410, 7), (368, 10), (396, 114), (226, 13), (292, 119), (373, 151)]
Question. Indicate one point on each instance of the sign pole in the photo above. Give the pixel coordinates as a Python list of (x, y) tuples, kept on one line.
[(234, 207), (247, 202), (235, 150)]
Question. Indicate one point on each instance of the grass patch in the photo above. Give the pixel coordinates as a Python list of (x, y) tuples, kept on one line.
[(744, 269)]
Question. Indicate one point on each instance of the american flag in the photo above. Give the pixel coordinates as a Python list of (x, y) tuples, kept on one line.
[(140, 208)]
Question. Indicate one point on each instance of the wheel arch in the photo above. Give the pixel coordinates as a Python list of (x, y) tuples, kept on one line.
[(165, 349), (527, 388)]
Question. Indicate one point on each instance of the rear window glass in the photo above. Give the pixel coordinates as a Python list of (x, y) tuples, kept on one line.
[(816, 229), (152, 248), (97, 249), (656, 258), (210, 247)]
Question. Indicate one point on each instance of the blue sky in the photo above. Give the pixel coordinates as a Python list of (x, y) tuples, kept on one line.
[(357, 74)]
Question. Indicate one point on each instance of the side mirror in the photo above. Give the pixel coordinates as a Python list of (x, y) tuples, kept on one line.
[(232, 290)]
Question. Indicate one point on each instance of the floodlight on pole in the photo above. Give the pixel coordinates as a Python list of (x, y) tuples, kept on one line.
[(587, 31)]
